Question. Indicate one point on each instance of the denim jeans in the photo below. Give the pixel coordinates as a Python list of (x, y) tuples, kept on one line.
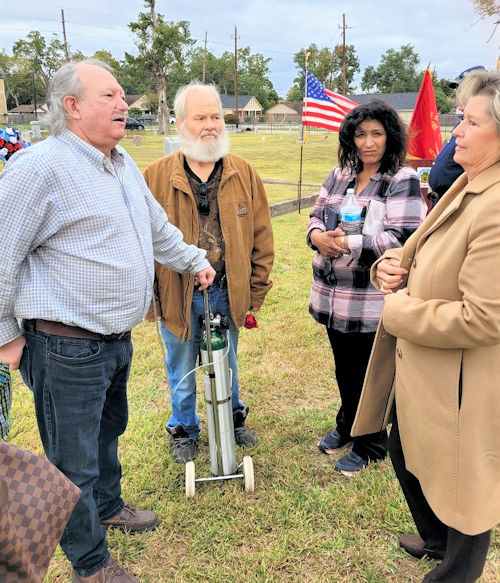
[(182, 356), (80, 394)]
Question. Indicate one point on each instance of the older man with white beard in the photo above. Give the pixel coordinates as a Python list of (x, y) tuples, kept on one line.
[(219, 203)]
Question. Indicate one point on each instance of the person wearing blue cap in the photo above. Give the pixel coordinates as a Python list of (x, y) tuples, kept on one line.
[(445, 170)]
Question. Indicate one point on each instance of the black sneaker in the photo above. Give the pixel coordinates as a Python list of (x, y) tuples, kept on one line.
[(351, 464), (242, 435), (184, 448), (333, 442)]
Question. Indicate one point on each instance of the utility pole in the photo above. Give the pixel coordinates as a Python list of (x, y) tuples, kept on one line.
[(343, 54), (64, 35), (205, 58), (236, 76)]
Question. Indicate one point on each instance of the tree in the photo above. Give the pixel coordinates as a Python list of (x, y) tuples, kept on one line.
[(295, 94), (444, 94), (197, 57), (319, 63), (162, 47), (151, 102), (253, 77), (134, 77), (351, 68), (486, 9), (107, 57), (326, 65), (397, 72), (40, 58), (253, 73), (18, 80)]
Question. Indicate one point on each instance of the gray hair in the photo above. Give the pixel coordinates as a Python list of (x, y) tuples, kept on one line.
[(66, 81), (482, 82), (182, 93)]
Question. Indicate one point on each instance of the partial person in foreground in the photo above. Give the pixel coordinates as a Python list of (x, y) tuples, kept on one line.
[(77, 268), (371, 161), (445, 314), (219, 203)]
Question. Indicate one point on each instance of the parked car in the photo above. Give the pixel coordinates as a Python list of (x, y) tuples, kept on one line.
[(146, 118), (133, 124)]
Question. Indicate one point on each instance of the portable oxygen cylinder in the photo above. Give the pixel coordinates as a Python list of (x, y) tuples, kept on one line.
[(217, 381)]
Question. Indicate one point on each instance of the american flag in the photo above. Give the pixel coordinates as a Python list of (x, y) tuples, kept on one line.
[(324, 108)]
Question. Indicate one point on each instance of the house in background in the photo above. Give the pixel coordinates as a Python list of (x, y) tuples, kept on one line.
[(291, 112), (285, 112), (25, 113), (137, 102), (403, 103), (248, 106)]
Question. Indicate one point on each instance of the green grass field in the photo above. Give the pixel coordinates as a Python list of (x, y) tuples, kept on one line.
[(275, 156), (305, 523)]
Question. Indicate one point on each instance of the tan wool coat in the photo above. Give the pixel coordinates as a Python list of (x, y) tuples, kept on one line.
[(447, 381), (246, 227)]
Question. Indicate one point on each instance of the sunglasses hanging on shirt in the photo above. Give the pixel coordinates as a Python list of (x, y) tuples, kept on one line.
[(204, 205)]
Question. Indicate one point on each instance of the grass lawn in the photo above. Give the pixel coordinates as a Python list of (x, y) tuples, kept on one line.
[(305, 523), (275, 156)]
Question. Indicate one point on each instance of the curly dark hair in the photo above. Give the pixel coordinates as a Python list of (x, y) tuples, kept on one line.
[(395, 149)]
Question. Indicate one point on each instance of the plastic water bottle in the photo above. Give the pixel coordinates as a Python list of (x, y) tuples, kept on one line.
[(350, 214)]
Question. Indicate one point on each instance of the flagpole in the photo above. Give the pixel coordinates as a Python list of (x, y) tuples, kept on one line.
[(302, 131)]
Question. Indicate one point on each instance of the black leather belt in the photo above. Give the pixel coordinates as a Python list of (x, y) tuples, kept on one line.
[(60, 329)]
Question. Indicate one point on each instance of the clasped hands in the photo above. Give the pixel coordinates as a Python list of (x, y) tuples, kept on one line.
[(390, 276), (330, 243)]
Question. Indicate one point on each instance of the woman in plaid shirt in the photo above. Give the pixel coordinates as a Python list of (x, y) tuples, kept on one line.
[(372, 151)]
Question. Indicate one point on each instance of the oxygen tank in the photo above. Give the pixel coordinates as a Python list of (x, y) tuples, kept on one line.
[(217, 385)]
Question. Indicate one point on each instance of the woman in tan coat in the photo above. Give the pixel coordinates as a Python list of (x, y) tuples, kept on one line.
[(445, 439)]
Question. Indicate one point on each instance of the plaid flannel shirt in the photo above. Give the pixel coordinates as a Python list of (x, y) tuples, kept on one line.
[(342, 297)]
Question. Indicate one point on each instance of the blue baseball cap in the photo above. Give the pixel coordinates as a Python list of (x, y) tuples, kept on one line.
[(454, 84)]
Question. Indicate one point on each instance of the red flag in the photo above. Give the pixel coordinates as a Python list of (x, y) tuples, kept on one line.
[(425, 133), (324, 108)]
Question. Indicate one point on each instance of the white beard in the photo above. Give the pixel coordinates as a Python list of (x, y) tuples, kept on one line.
[(203, 151)]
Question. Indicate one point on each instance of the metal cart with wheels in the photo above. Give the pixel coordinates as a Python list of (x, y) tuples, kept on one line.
[(217, 391)]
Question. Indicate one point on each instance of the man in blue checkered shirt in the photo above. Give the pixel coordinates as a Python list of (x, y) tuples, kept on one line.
[(77, 268)]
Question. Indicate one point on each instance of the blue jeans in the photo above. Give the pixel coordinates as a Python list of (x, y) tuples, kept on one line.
[(182, 356), (80, 394)]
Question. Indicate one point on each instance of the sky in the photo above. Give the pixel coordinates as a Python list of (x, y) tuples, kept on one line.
[(448, 34)]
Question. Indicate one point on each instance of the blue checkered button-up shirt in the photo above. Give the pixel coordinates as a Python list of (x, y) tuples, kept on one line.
[(79, 238)]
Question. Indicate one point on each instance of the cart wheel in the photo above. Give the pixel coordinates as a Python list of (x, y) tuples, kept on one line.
[(190, 479), (248, 474)]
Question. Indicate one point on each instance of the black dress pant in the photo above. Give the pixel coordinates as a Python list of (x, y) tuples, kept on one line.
[(464, 555), (351, 353)]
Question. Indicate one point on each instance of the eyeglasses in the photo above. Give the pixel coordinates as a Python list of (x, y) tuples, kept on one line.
[(204, 206)]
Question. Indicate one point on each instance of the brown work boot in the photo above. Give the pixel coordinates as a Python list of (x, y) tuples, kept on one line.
[(131, 520), (110, 573)]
